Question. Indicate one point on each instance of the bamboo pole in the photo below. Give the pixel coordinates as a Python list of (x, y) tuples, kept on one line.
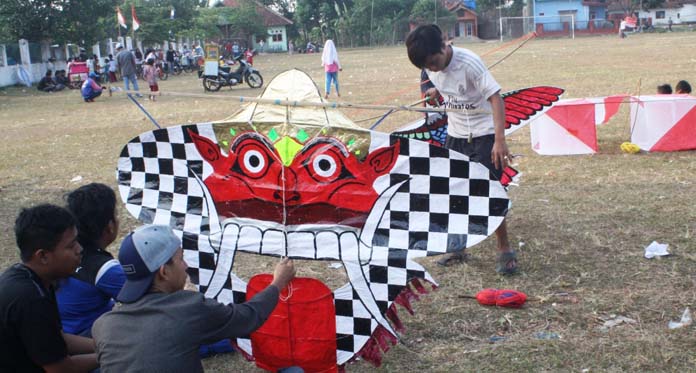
[(321, 104)]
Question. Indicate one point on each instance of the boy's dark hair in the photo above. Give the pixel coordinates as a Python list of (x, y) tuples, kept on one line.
[(683, 87), (41, 227), (150, 61), (49, 72), (664, 89), (94, 206), (424, 41)]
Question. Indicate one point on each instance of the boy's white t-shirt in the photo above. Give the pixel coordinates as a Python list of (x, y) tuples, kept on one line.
[(466, 83), (112, 66)]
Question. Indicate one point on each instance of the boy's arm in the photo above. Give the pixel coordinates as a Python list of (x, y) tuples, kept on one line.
[(71, 364), (78, 344), (500, 155)]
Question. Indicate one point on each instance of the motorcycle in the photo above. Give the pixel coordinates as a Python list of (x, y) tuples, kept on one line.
[(225, 77)]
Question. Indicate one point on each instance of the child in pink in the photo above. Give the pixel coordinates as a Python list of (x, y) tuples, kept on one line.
[(329, 59), (150, 74)]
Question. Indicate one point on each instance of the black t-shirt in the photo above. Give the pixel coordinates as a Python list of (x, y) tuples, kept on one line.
[(30, 329)]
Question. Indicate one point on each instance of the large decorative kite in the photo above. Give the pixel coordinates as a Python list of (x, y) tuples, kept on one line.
[(305, 182)]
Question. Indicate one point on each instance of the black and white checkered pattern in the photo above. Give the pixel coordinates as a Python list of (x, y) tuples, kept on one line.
[(446, 203)]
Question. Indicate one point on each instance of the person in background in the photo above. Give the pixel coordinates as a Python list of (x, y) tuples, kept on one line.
[(60, 78), (150, 74), (90, 89), (158, 326), (329, 59), (31, 336), (664, 89), (125, 60), (47, 84), (683, 87), (170, 56), (89, 292), (112, 70)]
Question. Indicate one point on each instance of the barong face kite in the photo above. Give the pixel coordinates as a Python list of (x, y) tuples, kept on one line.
[(305, 182)]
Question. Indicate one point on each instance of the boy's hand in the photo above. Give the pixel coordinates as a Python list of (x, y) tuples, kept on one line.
[(432, 94), (284, 272), (500, 155)]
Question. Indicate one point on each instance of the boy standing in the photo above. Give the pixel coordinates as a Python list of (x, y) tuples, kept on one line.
[(461, 76), (30, 330)]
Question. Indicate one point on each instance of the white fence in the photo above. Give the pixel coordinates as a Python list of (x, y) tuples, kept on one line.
[(33, 58)]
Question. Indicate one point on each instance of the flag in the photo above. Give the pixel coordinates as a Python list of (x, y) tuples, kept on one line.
[(171, 14), (136, 23), (119, 16)]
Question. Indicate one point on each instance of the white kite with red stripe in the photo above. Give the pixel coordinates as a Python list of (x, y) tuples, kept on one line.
[(664, 123), (570, 126)]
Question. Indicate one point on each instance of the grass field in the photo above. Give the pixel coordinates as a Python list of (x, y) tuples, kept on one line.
[(581, 222)]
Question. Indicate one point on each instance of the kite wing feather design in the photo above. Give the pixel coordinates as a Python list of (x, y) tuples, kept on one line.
[(520, 106)]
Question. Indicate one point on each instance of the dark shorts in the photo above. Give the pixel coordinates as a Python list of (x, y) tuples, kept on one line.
[(154, 87), (478, 150)]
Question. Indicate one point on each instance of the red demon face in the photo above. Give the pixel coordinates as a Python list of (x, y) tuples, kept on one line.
[(324, 183)]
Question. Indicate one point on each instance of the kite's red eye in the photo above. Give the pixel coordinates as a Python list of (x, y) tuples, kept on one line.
[(325, 166), (253, 159)]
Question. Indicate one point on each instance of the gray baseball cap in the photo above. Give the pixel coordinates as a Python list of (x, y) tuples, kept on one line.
[(141, 255)]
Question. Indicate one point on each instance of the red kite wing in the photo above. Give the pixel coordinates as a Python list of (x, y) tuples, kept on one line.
[(522, 104)]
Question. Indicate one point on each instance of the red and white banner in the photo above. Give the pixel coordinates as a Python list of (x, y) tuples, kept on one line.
[(664, 123), (119, 17), (569, 126), (136, 22)]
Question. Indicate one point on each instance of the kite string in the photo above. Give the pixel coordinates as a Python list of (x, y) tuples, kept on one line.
[(632, 123), (290, 290), (532, 36)]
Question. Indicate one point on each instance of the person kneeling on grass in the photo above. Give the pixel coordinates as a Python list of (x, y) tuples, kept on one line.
[(90, 88), (158, 325), (30, 332)]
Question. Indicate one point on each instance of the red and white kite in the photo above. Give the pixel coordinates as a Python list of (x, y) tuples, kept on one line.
[(664, 123), (569, 127)]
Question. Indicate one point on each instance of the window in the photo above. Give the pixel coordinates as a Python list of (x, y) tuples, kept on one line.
[(660, 14), (276, 35)]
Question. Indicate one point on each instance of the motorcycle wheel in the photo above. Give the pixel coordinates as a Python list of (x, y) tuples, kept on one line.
[(176, 70), (211, 84), (254, 80), (163, 75)]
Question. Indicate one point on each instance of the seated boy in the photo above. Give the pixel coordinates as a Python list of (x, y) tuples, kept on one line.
[(89, 292), (30, 331)]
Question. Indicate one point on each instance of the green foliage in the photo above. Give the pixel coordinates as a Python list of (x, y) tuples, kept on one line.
[(355, 22), (156, 25), (55, 20)]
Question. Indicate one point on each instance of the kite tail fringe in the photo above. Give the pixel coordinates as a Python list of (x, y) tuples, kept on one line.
[(382, 340)]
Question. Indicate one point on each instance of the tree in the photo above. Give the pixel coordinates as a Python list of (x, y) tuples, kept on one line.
[(631, 6), (156, 24), (55, 20)]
